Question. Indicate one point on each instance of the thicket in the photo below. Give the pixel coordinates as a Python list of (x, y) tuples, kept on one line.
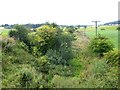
[(45, 58)]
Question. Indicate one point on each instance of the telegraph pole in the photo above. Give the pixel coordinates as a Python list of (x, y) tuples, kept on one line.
[(96, 25)]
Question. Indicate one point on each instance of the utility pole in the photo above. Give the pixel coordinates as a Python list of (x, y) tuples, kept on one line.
[(96, 25), (85, 29)]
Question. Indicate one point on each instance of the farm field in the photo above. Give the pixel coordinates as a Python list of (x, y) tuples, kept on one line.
[(110, 32), (4, 32)]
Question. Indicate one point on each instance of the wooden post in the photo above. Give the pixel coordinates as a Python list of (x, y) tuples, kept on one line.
[(96, 25)]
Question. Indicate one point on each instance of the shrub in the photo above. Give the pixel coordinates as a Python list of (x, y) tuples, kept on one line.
[(99, 68), (76, 65), (43, 39), (65, 82), (102, 28), (22, 76), (54, 57), (42, 64), (13, 33), (99, 75), (60, 70), (112, 57), (21, 33), (118, 28), (70, 29), (8, 44), (48, 38), (26, 77), (100, 45), (23, 46)]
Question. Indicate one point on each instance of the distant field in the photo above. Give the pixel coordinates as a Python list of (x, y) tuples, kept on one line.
[(109, 31), (100, 27), (4, 32)]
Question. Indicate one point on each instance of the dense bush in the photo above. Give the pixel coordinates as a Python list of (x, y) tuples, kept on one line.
[(54, 57), (99, 75), (101, 45), (70, 29), (49, 39), (13, 33), (20, 33), (42, 64), (99, 68), (23, 76), (26, 77), (60, 70), (7, 44), (65, 82), (76, 66), (112, 57), (43, 39), (118, 28)]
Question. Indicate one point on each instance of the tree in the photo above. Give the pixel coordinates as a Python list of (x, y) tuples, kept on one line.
[(20, 33)]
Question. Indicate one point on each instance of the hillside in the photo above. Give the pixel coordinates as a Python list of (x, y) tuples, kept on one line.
[(50, 57), (113, 23)]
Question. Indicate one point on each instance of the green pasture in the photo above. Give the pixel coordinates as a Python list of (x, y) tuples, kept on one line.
[(4, 32), (110, 32)]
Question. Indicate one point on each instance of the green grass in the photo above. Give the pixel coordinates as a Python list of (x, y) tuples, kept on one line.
[(110, 32), (100, 27), (112, 35), (4, 32)]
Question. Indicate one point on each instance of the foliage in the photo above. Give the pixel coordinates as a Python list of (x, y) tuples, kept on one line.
[(71, 29), (61, 70), (67, 82), (101, 45), (46, 58), (112, 57), (54, 57), (99, 68), (42, 64), (26, 77), (99, 75), (23, 46), (13, 33), (50, 39), (76, 65), (20, 33), (43, 39), (7, 44), (118, 28)]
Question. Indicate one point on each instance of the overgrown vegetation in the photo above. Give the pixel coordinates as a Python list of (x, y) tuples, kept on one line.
[(50, 57), (101, 45)]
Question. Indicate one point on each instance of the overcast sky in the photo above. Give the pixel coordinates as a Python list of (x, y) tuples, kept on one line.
[(70, 12)]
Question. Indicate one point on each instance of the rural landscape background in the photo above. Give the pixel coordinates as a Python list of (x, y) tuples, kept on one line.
[(59, 53)]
